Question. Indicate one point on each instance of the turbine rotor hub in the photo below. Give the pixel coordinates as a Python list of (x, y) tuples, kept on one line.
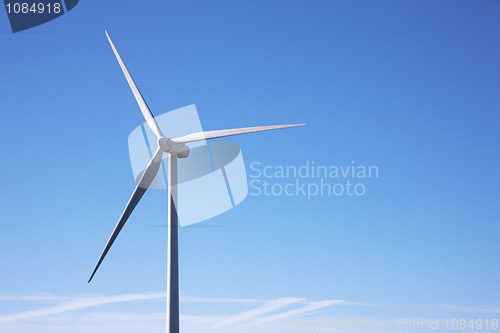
[(170, 147), (165, 144)]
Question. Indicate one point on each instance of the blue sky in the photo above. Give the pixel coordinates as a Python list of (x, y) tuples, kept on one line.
[(408, 86)]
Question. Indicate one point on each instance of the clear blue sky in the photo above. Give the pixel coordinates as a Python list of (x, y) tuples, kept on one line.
[(409, 86)]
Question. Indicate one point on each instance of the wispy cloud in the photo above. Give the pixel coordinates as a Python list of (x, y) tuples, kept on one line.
[(475, 309), (267, 307), (309, 307), (266, 316), (78, 304), (190, 299), (263, 311)]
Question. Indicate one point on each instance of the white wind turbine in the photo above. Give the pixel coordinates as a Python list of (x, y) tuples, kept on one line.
[(175, 148)]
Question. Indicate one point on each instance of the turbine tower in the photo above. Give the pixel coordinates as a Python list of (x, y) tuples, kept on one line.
[(175, 148)]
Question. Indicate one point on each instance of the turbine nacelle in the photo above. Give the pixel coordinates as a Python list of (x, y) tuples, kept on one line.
[(170, 147)]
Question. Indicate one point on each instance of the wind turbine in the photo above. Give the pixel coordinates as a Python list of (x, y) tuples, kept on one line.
[(175, 148)]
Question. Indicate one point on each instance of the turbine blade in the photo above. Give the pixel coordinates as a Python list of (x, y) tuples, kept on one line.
[(146, 180), (148, 115), (228, 132)]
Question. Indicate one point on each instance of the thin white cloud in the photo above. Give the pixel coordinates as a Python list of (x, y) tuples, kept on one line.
[(254, 315), (470, 309), (360, 304), (78, 304), (312, 306), (265, 308), (266, 316), (85, 322), (191, 299)]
